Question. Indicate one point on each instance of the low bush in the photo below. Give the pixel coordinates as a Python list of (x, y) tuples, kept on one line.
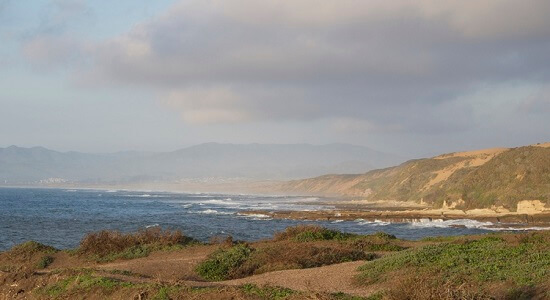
[(221, 264), (309, 233), (109, 245)]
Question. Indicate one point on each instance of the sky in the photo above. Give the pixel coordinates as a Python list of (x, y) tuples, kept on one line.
[(415, 78)]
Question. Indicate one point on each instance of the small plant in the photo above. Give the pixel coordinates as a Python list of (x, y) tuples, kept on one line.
[(384, 236), (44, 262)]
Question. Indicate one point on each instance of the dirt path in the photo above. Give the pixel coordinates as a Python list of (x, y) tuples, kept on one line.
[(333, 278), (172, 267), (178, 267)]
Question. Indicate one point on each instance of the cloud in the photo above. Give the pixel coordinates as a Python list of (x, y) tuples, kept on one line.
[(372, 65)]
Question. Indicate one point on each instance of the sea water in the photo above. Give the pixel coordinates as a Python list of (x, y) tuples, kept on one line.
[(61, 217)]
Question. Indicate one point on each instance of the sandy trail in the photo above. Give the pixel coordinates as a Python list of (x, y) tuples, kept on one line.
[(330, 279), (173, 266)]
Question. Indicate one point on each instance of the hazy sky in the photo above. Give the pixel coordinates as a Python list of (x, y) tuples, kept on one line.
[(409, 77)]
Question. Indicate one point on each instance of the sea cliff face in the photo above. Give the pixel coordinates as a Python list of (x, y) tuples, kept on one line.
[(515, 179)]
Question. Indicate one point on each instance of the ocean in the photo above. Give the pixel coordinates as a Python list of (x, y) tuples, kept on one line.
[(61, 217)]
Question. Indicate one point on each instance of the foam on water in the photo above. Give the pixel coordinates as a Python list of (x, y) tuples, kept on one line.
[(258, 216), (211, 212), (451, 223), (372, 223), (225, 202)]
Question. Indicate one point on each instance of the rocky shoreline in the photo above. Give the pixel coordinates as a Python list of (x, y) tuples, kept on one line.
[(407, 216)]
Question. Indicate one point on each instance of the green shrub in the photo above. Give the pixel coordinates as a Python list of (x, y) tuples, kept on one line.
[(221, 263), (44, 262)]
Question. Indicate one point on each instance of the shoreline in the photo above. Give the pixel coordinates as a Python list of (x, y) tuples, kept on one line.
[(519, 221)]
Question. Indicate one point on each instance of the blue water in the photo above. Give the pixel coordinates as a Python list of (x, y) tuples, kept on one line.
[(61, 217)]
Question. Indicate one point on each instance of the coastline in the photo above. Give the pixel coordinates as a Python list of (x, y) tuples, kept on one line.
[(347, 209), (512, 220)]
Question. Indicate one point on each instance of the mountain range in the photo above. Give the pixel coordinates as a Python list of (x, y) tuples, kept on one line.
[(211, 160)]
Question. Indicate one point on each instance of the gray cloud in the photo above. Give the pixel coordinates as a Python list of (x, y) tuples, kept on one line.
[(366, 65)]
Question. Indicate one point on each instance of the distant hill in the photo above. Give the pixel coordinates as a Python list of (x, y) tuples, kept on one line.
[(466, 180), (251, 161)]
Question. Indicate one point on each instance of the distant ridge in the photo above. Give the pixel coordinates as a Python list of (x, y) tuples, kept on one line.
[(491, 178), (39, 165)]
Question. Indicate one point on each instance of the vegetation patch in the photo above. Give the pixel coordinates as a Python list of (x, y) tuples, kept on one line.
[(111, 245), (83, 282), (267, 292), (44, 262), (477, 263), (56, 289), (310, 233), (377, 242), (343, 296), (222, 264), (242, 260), (31, 247)]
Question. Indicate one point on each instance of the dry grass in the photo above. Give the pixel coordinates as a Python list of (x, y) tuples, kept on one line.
[(413, 287), (108, 245), (297, 256)]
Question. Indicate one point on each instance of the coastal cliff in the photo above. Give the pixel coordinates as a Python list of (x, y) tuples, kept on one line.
[(502, 179)]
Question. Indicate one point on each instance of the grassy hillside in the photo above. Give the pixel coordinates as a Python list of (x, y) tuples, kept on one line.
[(465, 180)]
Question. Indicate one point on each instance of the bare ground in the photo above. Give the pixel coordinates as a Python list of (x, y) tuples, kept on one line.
[(328, 279), (177, 267)]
